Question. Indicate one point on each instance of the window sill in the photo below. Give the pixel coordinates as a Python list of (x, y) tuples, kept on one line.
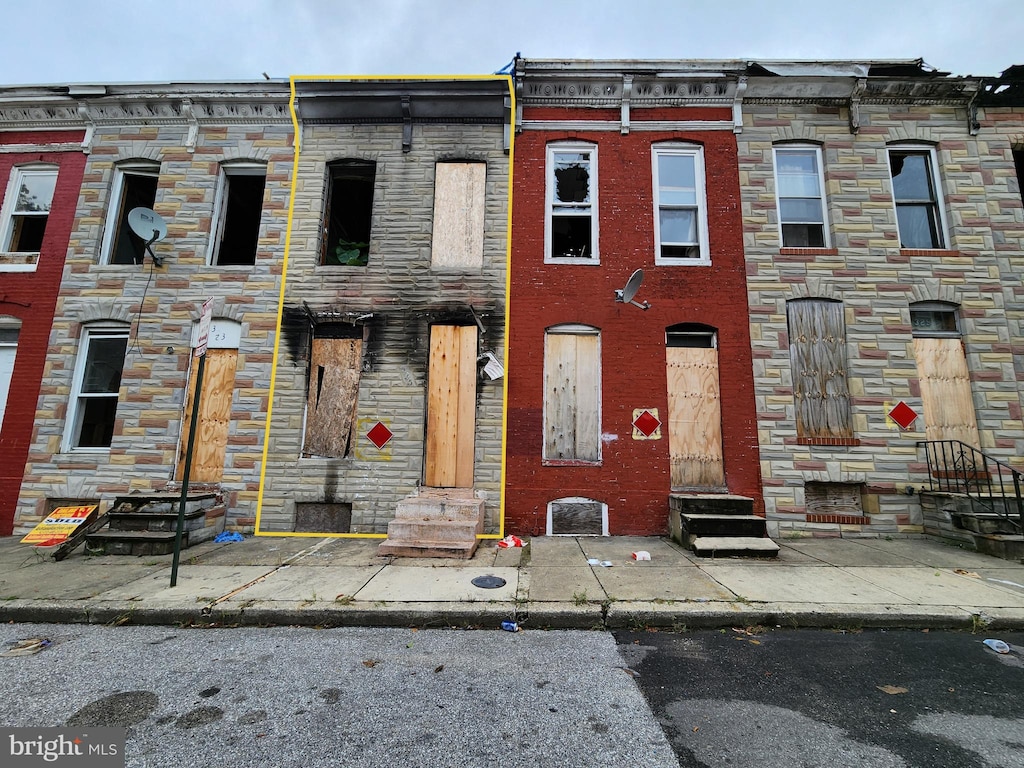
[(937, 252), (572, 260), (790, 251), (663, 262), (827, 441), (570, 463), (18, 262), (840, 519)]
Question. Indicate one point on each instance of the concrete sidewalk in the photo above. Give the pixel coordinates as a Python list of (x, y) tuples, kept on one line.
[(911, 582)]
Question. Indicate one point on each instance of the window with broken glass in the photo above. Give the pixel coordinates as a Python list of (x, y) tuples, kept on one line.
[(26, 209), (798, 186), (348, 213), (918, 213), (238, 211), (571, 221), (134, 187), (680, 227)]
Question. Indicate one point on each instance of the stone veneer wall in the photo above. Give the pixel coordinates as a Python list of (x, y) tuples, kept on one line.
[(982, 272), (143, 453), (404, 296)]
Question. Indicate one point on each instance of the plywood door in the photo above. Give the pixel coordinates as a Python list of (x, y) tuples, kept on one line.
[(694, 418), (946, 391), (572, 396), (451, 406), (214, 416)]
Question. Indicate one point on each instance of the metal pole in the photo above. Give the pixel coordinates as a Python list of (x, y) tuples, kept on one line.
[(188, 469)]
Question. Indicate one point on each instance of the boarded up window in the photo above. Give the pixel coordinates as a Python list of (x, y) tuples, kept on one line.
[(833, 499), (945, 390), (817, 351), (323, 517), (577, 516), (331, 399), (572, 393), (458, 234)]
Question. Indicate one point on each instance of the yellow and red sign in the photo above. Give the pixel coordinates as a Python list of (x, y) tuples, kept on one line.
[(59, 524)]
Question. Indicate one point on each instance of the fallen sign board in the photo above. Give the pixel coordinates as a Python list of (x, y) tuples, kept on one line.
[(59, 525)]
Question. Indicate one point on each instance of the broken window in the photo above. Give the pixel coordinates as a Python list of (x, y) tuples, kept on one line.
[(348, 213), (457, 240), (240, 206), (799, 184), (1018, 163), (27, 208), (680, 227), (134, 187), (572, 203), (817, 353), (572, 393), (94, 395), (335, 363), (918, 217)]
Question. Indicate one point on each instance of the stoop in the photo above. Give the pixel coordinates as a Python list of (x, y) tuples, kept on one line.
[(437, 522), (719, 525)]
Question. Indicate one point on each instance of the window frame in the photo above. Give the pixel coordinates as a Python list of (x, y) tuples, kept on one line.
[(936, 307), (148, 168), (10, 333), (700, 183), (331, 173), (8, 212), (938, 198), (845, 431), (572, 329), (220, 208), (75, 412), (818, 155), (549, 202)]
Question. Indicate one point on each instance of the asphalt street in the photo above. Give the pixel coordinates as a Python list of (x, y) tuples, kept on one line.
[(872, 699)]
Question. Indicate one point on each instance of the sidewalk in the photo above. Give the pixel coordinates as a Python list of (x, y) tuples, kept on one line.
[(549, 584)]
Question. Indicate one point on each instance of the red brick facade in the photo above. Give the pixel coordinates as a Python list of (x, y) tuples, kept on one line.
[(633, 477), (30, 298)]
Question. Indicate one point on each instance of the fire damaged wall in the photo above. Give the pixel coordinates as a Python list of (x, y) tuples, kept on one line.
[(355, 346)]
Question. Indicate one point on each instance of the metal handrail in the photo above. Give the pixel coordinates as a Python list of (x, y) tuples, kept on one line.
[(956, 467)]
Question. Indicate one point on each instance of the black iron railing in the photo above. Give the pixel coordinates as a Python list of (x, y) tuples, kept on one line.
[(956, 467)]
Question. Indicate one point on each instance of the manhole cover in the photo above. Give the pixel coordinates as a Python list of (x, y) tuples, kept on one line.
[(488, 582)]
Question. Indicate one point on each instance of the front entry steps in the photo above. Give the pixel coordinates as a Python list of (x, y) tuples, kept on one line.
[(144, 524), (719, 525), (437, 522)]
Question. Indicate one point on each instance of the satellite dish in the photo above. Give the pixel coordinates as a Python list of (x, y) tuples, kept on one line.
[(632, 286), (150, 226)]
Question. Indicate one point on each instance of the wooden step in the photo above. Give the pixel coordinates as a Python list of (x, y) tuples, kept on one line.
[(733, 546)]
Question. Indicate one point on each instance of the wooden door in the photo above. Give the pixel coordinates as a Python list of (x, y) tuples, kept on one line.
[(946, 390), (572, 393), (214, 416), (451, 407), (694, 418)]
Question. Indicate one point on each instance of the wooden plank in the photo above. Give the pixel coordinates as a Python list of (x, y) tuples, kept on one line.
[(694, 418), (588, 398), (946, 391), (76, 539), (466, 427), (559, 396), (442, 407), (332, 397), (214, 416), (457, 240)]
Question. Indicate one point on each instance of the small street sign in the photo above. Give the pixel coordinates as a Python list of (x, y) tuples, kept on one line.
[(204, 327)]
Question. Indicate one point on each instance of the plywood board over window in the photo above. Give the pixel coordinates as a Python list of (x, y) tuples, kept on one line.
[(946, 390), (457, 241), (572, 388), (817, 348), (332, 398)]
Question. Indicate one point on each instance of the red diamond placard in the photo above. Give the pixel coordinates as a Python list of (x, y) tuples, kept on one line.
[(379, 435), (646, 423), (903, 415)]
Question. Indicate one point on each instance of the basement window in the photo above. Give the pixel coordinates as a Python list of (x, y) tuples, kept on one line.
[(335, 363), (238, 212), (577, 516), (134, 187), (348, 213), (27, 208)]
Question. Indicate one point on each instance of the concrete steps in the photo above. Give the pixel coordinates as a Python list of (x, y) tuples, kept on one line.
[(719, 525), (435, 523), (955, 517), (144, 524)]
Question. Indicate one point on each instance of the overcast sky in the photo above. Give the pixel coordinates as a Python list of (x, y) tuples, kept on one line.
[(61, 41)]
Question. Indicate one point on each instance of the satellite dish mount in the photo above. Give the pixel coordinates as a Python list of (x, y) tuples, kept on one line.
[(625, 296), (149, 226)]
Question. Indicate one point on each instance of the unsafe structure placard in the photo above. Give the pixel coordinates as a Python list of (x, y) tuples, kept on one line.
[(59, 524)]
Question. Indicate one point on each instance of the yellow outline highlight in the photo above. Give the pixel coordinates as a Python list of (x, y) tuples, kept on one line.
[(297, 143)]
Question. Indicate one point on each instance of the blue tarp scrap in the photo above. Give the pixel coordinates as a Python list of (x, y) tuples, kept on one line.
[(228, 536)]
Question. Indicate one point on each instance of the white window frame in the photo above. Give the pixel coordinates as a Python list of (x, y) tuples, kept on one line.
[(72, 426), (940, 198), (10, 327), (697, 152), (220, 205), (7, 213), (827, 240), (549, 202), (133, 168)]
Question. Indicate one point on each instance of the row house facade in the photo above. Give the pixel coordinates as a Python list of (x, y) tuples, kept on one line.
[(214, 162)]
